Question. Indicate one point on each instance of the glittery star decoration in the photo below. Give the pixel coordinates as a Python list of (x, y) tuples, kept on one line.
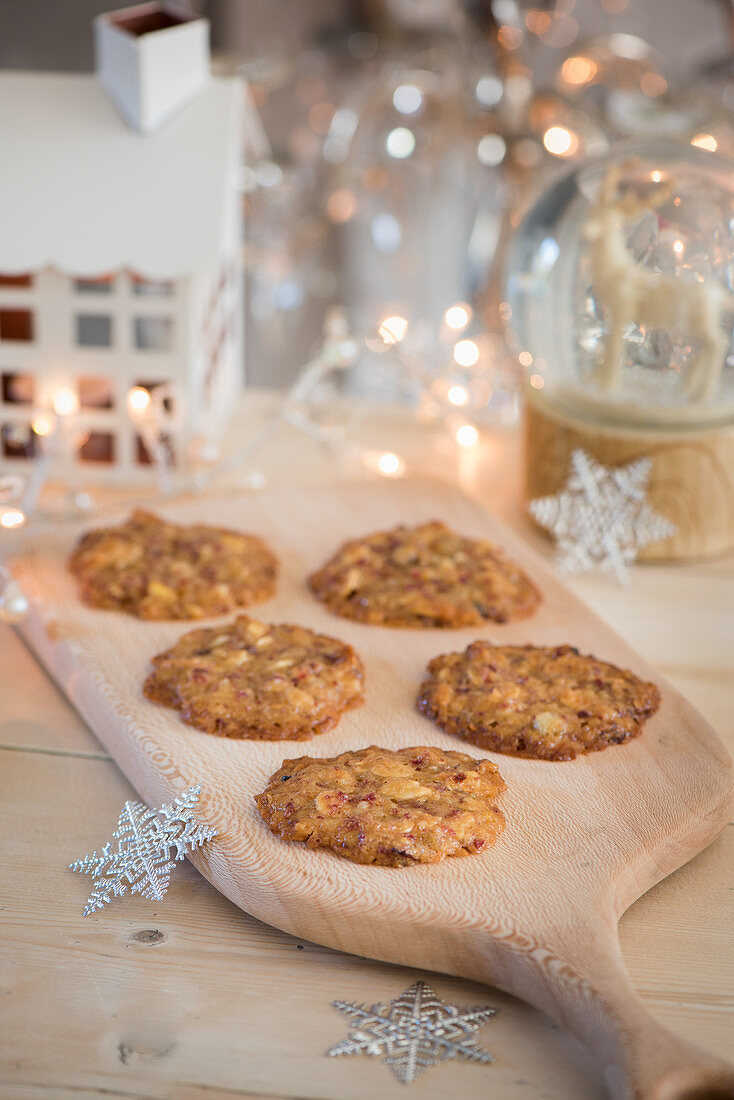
[(143, 850), (601, 518), (415, 1031)]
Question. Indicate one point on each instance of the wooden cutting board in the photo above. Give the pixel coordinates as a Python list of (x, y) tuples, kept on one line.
[(537, 914)]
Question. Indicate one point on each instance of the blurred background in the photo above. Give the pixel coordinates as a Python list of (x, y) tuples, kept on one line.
[(392, 144)]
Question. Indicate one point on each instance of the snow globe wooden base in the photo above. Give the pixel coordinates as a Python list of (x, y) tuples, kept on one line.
[(691, 481), (620, 303)]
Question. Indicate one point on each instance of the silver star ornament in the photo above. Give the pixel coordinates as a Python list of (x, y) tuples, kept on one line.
[(601, 518), (415, 1031), (143, 850)]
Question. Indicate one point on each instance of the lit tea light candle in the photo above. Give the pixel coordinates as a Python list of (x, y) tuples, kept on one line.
[(64, 439), (146, 414)]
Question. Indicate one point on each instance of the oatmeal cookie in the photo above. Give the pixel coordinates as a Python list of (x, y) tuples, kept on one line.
[(159, 570), (545, 702), (391, 807), (258, 681), (423, 576)]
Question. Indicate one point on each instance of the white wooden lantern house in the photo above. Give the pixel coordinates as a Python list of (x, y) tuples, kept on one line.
[(119, 264)]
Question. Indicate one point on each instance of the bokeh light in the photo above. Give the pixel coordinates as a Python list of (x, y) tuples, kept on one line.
[(467, 435), (65, 402), (393, 329), (579, 70), (491, 150), (458, 316), (466, 353), (12, 518), (560, 142), (705, 141), (390, 464), (400, 142), (457, 395), (341, 205), (407, 99)]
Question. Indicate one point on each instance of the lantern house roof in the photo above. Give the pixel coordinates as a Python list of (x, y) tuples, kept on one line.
[(83, 192)]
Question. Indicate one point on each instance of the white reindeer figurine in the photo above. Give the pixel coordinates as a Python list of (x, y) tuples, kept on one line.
[(631, 294)]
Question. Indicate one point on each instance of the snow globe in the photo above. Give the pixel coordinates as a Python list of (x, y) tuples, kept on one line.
[(620, 306)]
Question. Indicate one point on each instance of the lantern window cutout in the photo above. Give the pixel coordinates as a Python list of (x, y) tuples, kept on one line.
[(168, 401), (93, 330), (17, 325), (82, 306), (150, 288), (104, 285), (18, 441), (153, 333), (98, 447), (143, 456), (16, 281), (17, 388), (96, 392)]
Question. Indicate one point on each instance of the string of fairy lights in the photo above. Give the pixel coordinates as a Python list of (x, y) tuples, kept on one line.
[(340, 350)]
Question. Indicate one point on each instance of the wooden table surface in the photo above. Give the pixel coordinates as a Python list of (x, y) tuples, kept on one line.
[(192, 999)]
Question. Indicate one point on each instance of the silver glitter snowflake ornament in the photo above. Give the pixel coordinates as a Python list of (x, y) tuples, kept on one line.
[(143, 850), (415, 1031), (601, 518)]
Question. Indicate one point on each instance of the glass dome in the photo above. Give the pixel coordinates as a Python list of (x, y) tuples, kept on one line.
[(414, 142), (620, 288)]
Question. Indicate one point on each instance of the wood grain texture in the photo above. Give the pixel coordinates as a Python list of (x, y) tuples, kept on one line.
[(192, 998), (691, 481), (537, 915)]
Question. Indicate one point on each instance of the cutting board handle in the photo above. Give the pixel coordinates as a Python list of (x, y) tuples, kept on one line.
[(582, 983)]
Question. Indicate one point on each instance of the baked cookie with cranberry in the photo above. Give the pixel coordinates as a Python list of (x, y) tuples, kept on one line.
[(424, 576), (389, 807), (544, 702), (258, 681), (159, 570)]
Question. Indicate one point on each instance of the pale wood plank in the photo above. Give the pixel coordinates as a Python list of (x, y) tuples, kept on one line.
[(85, 984), (218, 1004), (676, 946), (101, 659), (34, 714)]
